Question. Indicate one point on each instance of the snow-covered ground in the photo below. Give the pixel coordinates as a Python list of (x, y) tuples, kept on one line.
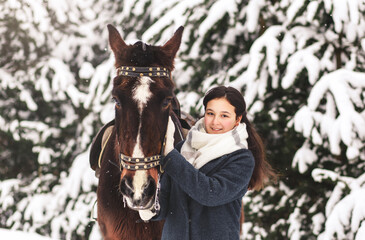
[(7, 234)]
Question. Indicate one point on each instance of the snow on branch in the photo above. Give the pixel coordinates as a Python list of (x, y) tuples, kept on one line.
[(342, 212), (304, 57), (218, 10), (11, 234), (346, 220), (62, 83), (262, 65), (304, 157), (6, 188), (338, 120), (100, 86), (175, 15), (301, 59), (346, 17), (268, 52), (66, 207), (253, 14), (321, 174)]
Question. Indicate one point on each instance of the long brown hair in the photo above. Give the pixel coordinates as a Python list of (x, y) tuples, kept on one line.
[(262, 172)]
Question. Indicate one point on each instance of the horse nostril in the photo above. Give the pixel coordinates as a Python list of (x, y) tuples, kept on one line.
[(148, 183), (150, 187), (126, 186)]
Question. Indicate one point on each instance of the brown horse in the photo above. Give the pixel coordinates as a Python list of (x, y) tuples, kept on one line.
[(126, 152)]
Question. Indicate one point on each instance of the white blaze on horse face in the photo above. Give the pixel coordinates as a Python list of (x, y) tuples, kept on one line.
[(139, 182), (141, 94)]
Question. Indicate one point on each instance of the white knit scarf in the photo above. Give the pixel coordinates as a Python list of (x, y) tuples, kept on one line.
[(201, 147)]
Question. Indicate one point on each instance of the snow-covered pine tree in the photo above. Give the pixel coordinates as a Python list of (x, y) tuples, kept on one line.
[(320, 79), (48, 49), (299, 63)]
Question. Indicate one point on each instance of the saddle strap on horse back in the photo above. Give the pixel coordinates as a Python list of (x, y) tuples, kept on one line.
[(104, 141), (96, 147)]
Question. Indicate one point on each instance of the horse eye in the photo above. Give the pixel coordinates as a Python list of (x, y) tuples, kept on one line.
[(116, 101), (166, 102)]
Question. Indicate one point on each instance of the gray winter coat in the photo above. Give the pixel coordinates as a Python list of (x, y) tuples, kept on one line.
[(204, 204)]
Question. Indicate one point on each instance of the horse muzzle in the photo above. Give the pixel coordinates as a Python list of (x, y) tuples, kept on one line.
[(138, 190)]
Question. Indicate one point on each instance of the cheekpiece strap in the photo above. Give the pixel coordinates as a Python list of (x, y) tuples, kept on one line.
[(143, 71)]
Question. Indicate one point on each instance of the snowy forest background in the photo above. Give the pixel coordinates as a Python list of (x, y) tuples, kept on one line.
[(299, 63)]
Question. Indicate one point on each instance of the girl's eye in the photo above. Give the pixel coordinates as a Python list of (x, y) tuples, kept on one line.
[(209, 114)]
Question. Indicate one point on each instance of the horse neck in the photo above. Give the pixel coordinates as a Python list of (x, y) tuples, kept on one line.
[(126, 224)]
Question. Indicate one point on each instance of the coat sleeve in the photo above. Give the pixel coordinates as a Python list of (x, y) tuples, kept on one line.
[(225, 185)]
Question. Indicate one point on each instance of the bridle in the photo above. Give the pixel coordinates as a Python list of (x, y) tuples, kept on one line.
[(142, 163)]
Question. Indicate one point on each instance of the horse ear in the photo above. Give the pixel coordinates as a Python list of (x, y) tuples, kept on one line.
[(116, 42), (170, 48)]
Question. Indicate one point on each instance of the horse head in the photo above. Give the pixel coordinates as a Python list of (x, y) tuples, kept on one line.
[(143, 93)]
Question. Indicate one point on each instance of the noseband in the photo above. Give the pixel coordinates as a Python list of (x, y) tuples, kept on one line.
[(141, 163), (131, 163)]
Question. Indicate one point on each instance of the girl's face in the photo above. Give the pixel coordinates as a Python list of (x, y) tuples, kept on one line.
[(220, 116)]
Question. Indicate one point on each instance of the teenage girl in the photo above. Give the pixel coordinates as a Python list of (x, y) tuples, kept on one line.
[(206, 176)]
